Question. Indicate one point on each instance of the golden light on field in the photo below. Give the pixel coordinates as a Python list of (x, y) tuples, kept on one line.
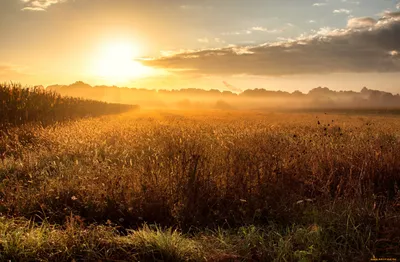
[(115, 62)]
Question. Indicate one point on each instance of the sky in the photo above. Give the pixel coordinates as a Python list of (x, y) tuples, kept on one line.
[(273, 44)]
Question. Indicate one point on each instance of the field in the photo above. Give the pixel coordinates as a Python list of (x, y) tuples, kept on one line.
[(202, 186), (20, 105)]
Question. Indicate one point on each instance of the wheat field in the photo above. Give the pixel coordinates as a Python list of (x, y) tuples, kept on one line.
[(258, 186)]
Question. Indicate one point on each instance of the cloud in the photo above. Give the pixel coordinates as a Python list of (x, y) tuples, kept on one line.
[(253, 29), (389, 15), (204, 40), (361, 22), (264, 29), (319, 4), (242, 32), (33, 9), (342, 11), (373, 48), (39, 5)]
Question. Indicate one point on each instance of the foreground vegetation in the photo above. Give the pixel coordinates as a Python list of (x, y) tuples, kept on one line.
[(231, 186), (21, 241), (20, 105)]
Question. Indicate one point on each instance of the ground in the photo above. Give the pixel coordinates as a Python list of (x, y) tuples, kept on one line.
[(202, 185)]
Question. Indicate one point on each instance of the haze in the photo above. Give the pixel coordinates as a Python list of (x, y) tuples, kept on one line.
[(156, 44)]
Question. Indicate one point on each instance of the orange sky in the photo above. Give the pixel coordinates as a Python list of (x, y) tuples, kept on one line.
[(286, 45)]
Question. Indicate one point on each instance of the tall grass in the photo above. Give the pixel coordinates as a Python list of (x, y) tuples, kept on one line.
[(328, 184), (20, 105)]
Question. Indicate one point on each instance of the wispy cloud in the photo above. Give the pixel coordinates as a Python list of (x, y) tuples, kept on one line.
[(320, 4), (342, 11), (241, 32), (203, 40), (215, 40), (39, 5), (259, 29), (366, 45), (265, 29)]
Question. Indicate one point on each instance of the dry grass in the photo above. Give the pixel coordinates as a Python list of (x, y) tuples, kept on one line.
[(334, 175)]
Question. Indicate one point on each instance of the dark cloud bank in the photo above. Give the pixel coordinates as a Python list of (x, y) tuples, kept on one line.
[(366, 45)]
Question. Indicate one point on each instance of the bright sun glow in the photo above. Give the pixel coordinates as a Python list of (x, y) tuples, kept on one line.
[(115, 63)]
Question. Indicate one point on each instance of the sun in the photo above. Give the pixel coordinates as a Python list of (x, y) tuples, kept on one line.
[(115, 62)]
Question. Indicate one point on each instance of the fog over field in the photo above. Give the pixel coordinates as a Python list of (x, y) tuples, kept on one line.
[(320, 97)]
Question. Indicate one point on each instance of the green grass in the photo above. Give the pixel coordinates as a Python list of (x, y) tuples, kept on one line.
[(24, 241)]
